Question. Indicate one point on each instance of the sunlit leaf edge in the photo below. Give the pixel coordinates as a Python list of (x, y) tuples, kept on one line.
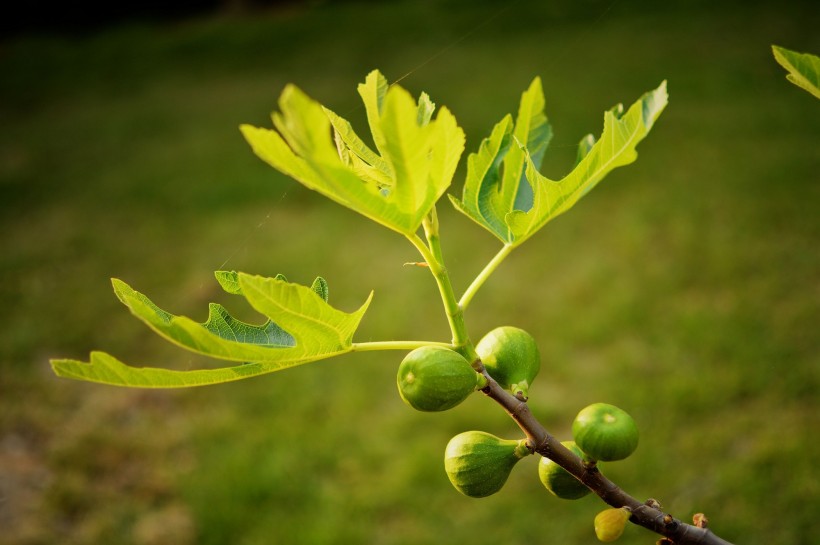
[(106, 369)]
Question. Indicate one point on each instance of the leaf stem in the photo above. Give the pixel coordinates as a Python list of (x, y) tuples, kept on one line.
[(484, 275), (432, 254), (394, 345)]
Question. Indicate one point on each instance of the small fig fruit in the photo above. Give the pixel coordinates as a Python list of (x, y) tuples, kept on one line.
[(511, 357), (434, 378), (558, 480), (605, 432), (478, 463), (610, 523)]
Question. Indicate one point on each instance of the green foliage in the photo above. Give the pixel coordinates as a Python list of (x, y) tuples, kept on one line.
[(301, 327), (803, 68), (397, 186), (495, 184), (691, 273), (514, 205), (616, 147)]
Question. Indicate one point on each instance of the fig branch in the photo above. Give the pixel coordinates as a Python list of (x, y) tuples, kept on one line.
[(646, 514)]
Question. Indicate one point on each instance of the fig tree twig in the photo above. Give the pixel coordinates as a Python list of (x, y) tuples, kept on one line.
[(643, 514)]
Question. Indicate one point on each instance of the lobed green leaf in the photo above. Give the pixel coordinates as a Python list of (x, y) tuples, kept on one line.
[(534, 132), (616, 147), (481, 198), (300, 327), (495, 184), (397, 184)]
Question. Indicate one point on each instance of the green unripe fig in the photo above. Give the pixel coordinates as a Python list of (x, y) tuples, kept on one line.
[(558, 480), (511, 357), (478, 463), (610, 523), (434, 378), (605, 432)]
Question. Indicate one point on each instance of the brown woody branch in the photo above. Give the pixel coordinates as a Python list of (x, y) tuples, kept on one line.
[(646, 514)]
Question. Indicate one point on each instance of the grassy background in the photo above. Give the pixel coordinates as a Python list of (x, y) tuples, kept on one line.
[(683, 289)]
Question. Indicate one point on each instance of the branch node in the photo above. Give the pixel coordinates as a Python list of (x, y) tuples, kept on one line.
[(669, 522), (590, 465), (653, 503), (700, 520)]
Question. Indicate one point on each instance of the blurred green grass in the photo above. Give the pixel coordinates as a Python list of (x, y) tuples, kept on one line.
[(684, 288)]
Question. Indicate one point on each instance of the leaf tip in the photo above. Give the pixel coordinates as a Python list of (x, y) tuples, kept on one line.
[(249, 132), (455, 201), (662, 92), (121, 289), (375, 73), (68, 368), (320, 287), (116, 282), (369, 299), (57, 366), (228, 281)]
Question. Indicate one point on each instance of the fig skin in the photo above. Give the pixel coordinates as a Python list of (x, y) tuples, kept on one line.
[(604, 432), (478, 463), (510, 355), (434, 378), (610, 523), (558, 480)]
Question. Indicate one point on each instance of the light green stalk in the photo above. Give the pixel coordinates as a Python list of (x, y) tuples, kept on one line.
[(484, 275), (434, 258), (394, 345)]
